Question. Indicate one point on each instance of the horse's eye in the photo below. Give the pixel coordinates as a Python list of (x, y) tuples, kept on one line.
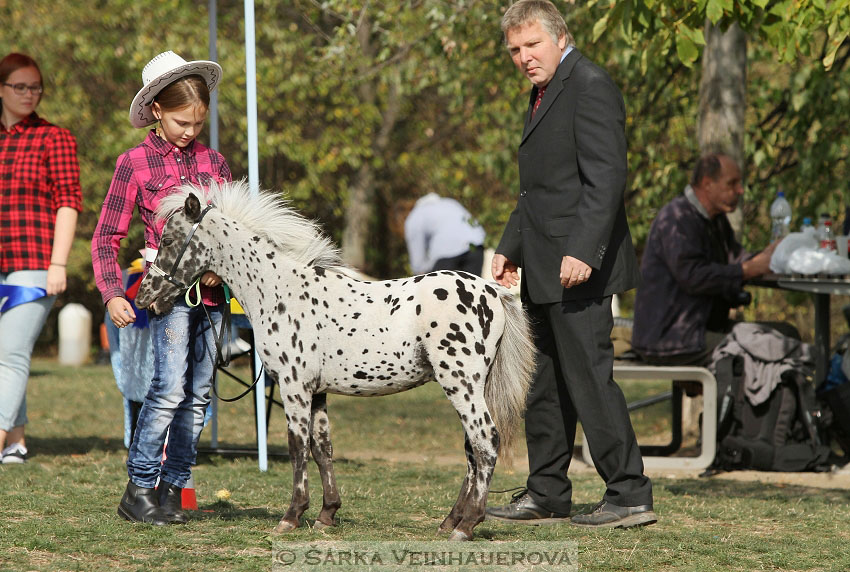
[(167, 241)]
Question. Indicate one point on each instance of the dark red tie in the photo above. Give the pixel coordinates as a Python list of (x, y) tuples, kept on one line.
[(540, 92)]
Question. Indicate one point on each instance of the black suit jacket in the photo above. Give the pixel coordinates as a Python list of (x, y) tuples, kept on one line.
[(572, 171)]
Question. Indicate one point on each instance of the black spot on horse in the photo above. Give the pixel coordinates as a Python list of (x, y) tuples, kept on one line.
[(441, 294), (466, 297), (319, 270)]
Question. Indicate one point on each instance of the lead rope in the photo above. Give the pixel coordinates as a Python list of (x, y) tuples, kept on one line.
[(222, 344)]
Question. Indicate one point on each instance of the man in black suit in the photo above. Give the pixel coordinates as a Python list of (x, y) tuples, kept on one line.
[(570, 235)]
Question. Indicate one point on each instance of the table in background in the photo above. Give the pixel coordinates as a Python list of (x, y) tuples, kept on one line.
[(821, 288)]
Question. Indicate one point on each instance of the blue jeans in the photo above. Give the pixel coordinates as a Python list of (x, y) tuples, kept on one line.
[(19, 329), (184, 353)]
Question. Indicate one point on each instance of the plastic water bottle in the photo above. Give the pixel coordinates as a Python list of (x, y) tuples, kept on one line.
[(807, 228), (780, 215), (827, 237)]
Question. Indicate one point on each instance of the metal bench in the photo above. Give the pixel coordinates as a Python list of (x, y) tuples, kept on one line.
[(658, 457)]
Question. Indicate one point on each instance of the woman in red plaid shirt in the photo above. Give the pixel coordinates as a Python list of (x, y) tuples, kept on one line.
[(39, 201), (175, 97)]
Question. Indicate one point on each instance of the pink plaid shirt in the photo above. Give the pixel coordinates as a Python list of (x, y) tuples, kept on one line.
[(143, 175)]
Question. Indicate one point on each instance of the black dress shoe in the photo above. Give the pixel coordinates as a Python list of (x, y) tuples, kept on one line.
[(171, 503), (139, 505), (607, 515), (523, 510)]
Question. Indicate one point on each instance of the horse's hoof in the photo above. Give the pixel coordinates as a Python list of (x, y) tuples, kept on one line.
[(319, 525), (459, 536), (284, 526)]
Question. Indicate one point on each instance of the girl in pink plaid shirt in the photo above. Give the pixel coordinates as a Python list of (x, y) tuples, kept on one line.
[(176, 98)]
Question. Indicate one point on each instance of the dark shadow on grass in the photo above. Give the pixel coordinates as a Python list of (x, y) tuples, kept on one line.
[(208, 455), (226, 511), (720, 489), (78, 445)]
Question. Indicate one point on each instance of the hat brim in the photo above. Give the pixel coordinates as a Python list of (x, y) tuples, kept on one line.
[(141, 114)]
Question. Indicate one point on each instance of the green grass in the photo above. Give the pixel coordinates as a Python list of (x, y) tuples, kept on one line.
[(399, 468)]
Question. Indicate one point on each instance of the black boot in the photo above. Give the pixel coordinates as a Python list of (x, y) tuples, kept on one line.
[(139, 505), (171, 503)]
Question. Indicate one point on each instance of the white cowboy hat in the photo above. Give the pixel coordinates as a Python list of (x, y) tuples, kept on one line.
[(161, 71)]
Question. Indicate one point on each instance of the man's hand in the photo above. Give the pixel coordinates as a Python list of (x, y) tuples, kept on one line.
[(504, 271), (759, 264), (210, 279), (574, 272), (120, 312)]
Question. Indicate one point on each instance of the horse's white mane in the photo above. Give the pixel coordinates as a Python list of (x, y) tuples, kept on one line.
[(265, 214)]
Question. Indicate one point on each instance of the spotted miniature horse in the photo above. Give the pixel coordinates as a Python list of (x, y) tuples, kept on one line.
[(318, 330)]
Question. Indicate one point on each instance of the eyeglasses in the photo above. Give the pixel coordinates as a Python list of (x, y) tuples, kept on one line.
[(21, 88)]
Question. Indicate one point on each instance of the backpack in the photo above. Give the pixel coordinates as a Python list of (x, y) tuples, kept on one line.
[(781, 434)]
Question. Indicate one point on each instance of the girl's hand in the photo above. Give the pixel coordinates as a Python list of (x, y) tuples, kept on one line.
[(57, 280), (211, 279), (120, 312)]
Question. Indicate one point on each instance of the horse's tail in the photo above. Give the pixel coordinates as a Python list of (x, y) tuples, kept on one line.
[(510, 375)]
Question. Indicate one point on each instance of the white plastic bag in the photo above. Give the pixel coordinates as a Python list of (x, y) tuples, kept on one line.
[(813, 261), (781, 256)]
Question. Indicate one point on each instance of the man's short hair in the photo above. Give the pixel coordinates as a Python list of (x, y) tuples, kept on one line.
[(707, 166), (527, 11)]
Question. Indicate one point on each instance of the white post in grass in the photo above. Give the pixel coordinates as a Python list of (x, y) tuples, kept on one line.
[(254, 184)]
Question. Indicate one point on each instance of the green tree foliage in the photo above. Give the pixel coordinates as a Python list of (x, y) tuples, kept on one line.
[(791, 27), (796, 100)]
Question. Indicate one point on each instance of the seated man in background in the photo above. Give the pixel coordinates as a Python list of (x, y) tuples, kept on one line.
[(442, 235), (693, 269)]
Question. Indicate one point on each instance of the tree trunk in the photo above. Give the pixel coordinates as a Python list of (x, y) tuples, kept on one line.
[(361, 196), (723, 97)]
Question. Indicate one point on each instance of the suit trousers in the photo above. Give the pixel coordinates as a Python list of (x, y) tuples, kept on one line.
[(574, 382)]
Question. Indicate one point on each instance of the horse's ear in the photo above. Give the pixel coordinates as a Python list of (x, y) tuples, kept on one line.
[(192, 208)]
